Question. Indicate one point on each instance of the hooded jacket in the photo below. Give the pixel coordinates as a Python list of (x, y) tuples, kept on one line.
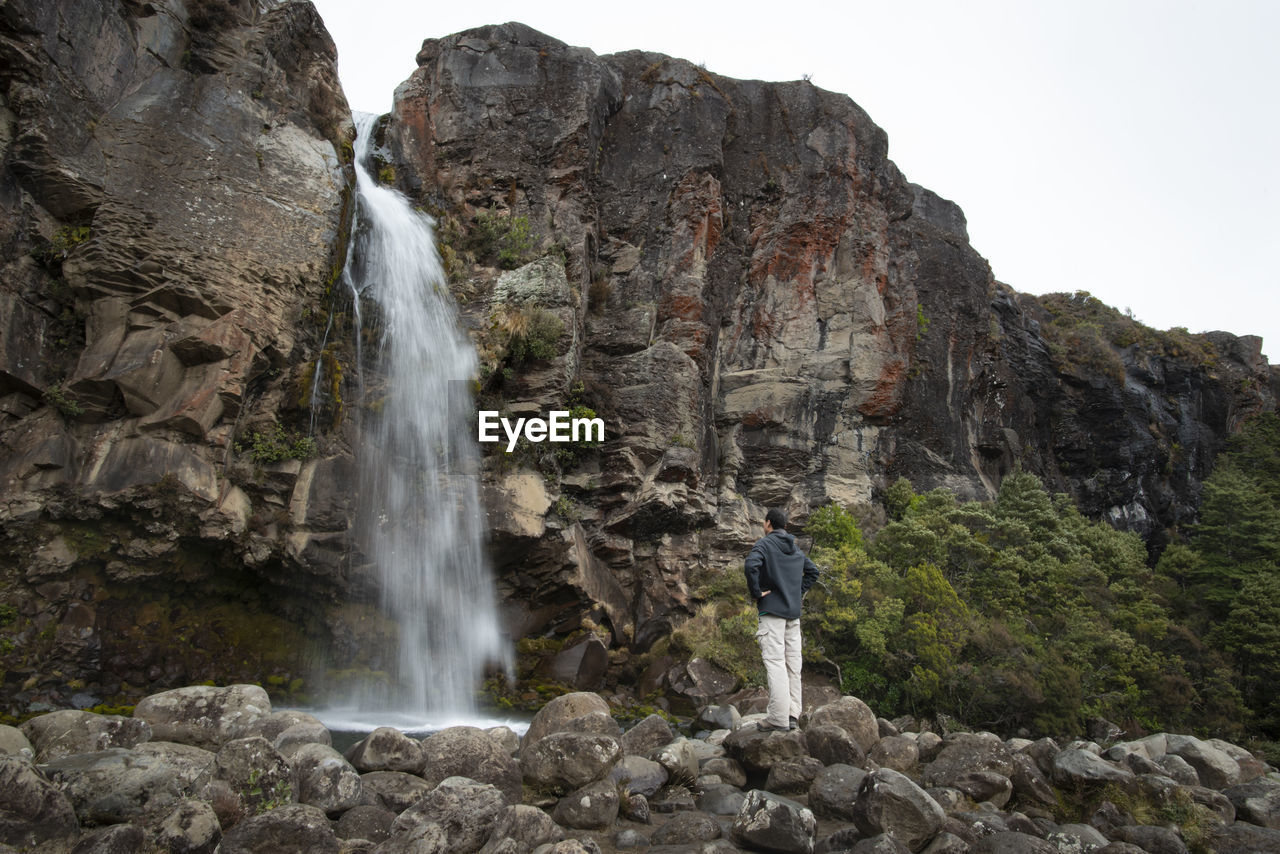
[(776, 565)]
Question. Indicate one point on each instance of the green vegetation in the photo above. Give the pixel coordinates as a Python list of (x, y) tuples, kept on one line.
[(532, 334), (275, 445), (922, 322), (60, 245), (63, 401), (504, 240), (8, 615)]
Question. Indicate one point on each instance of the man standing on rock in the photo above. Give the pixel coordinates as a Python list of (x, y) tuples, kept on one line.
[(778, 576)]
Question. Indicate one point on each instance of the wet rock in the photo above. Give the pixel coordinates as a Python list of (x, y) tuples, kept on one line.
[(464, 751), (64, 733), (889, 802), (760, 751), (520, 829), (386, 749), (580, 712), (649, 734), (463, 809), (325, 779), (33, 810), (835, 790), (594, 806), (395, 791), (853, 716), (568, 760), (203, 716), (291, 829), (768, 822)]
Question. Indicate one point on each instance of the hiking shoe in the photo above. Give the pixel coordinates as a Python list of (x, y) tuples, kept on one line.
[(765, 726), (795, 722)]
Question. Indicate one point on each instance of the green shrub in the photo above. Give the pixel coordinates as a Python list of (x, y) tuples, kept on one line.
[(275, 445)]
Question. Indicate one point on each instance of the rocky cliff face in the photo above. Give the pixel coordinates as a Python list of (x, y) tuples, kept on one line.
[(767, 314), (731, 273)]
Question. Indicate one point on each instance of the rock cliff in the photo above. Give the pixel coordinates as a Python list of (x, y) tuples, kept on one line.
[(731, 273)]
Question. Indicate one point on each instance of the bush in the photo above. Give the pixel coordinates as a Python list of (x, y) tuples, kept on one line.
[(275, 445)]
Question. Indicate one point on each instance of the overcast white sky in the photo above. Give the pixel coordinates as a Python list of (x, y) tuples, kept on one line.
[(1130, 148)]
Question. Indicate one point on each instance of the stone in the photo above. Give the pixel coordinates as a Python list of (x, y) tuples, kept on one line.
[(638, 775), (679, 759), (581, 712), (582, 665), (946, 843), (720, 799), (247, 775), (1042, 751), (1029, 782), (365, 822), (290, 829), (386, 749), (728, 770), (1011, 842), (630, 839), (852, 715), (889, 802), (768, 822), (835, 790), (723, 716), (464, 751), (760, 751), (900, 754), (965, 753), (1257, 803), (1242, 838), (520, 829), (568, 760), (634, 807), (833, 745), (506, 738), (594, 806), (1215, 801), (1154, 840), (325, 779), (395, 791), (647, 735), (14, 743), (1078, 837), (985, 786), (1075, 767), (793, 776), (1175, 767), (67, 732), (700, 683), (116, 839), (929, 745), (880, 844), (464, 809), (951, 800), (33, 810), (687, 828), (203, 716), (273, 726), (189, 827), (118, 785), (1216, 768)]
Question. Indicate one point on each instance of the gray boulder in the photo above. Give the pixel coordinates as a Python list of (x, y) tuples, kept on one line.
[(1076, 837), (464, 751), (1217, 768), (248, 776), (723, 716), (794, 776), (1030, 783), (190, 827), (68, 732), (1242, 838), (593, 807), (967, 752), (1153, 840), (32, 809), (1176, 768), (116, 839), (1073, 767), (292, 829), (424, 838), (833, 745), (647, 735), (835, 790), (634, 807), (1257, 803), (505, 737), (679, 759), (386, 749), (365, 822), (687, 828), (760, 751), (880, 844), (565, 761), (728, 770), (889, 802), (464, 809), (581, 712), (118, 785), (896, 752), (852, 715), (202, 715), (14, 743), (985, 786), (325, 779), (720, 799), (1012, 842), (303, 728), (393, 790), (638, 775), (520, 829), (946, 843), (768, 822)]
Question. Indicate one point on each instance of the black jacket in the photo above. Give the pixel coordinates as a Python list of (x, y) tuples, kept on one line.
[(776, 565)]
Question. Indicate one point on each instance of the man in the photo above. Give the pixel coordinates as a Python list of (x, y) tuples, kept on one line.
[(778, 576)]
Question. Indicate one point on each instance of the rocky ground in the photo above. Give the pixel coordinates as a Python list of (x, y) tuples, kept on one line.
[(204, 769)]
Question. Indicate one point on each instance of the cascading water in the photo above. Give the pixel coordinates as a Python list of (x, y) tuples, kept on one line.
[(422, 521)]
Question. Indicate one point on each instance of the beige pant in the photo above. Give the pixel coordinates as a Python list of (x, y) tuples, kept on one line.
[(780, 648)]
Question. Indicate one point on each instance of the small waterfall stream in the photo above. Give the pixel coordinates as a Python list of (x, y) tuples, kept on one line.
[(422, 522)]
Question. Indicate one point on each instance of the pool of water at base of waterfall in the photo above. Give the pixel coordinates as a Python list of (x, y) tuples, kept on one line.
[(349, 725)]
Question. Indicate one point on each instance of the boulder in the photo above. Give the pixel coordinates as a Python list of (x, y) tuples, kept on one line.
[(793, 776), (290, 829), (582, 665), (325, 779), (700, 683), (365, 822), (687, 828), (896, 752), (118, 785), (1012, 842), (116, 839), (202, 715), (67, 732), (593, 807), (720, 799), (189, 827), (647, 735), (946, 843), (1076, 767), (880, 844), (33, 810), (463, 809), (985, 786), (889, 802), (723, 716), (464, 751), (852, 715), (760, 751), (506, 739), (566, 761), (929, 744), (768, 822), (288, 727), (1043, 751), (520, 829), (1172, 766), (1029, 781), (1243, 838), (679, 759), (727, 769), (638, 775), (1077, 837), (634, 807), (1153, 840), (966, 752), (1217, 769), (247, 776), (14, 743), (393, 790), (835, 790), (1257, 803), (581, 712), (833, 745), (386, 749)]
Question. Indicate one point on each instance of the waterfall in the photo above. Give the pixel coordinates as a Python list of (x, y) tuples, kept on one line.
[(422, 522)]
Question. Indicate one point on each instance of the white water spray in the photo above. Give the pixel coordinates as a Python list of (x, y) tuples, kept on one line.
[(422, 521)]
